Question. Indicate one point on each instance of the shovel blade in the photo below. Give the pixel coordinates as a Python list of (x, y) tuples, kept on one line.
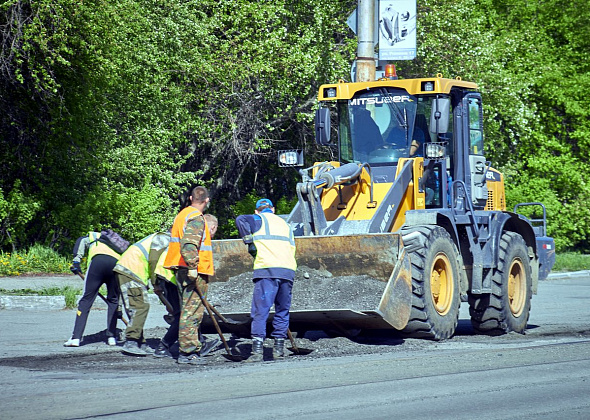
[(233, 357), (299, 351)]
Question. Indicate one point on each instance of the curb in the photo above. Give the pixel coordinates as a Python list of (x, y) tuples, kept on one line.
[(568, 275), (50, 303)]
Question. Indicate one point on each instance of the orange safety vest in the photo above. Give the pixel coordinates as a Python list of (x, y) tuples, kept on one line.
[(174, 258)]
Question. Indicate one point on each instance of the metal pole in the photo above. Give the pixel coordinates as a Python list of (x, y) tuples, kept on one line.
[(365, 61)]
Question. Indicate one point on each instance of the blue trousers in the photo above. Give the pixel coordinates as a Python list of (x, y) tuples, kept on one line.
[(269, 292)]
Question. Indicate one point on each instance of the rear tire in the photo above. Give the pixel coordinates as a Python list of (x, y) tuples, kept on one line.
[(508, 307), (435, 283)]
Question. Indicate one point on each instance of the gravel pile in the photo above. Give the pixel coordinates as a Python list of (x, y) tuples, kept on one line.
[(312, 289)]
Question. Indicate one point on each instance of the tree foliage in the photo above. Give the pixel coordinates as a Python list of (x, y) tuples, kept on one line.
[(111, 110)]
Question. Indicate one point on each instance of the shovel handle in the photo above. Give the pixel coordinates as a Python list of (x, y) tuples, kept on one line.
[(208, 306), (163, 299), (105, 300), (223, 319), (292, 341)]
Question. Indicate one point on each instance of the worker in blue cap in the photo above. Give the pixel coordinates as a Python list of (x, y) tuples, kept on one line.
[(270, 241)]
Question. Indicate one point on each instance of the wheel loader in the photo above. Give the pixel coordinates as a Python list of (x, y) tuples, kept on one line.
[(413, 206)]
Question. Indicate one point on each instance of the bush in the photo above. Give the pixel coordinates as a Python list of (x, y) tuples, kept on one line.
[(37, 259)]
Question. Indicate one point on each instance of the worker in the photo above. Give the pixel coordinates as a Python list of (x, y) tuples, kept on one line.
[(166, 282), (190, 256), (213, 224), (101, 261), (270, 240), (135, 272), (166, 287)]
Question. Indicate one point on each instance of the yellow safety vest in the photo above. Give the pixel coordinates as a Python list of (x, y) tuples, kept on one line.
[(135, 261), (275, 244), (165, 272), (96, 247)]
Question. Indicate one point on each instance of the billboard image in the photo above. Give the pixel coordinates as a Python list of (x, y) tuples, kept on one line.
[(397, 29)]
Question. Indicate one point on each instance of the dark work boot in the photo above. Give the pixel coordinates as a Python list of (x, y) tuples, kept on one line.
[(278, 351), (162, 350), (207, 346), (132, 348), (257, 351)]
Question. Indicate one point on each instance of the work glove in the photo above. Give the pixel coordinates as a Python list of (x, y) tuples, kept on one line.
[(75, 268), (119, 314), (248, 239), (193, 274), (252, 250)]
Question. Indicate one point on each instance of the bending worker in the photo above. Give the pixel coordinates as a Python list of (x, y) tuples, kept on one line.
[(270, 240), (190, 255), (101, 261), (135, 270)]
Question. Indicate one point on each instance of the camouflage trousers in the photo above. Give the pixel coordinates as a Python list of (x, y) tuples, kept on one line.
[(192, 310)]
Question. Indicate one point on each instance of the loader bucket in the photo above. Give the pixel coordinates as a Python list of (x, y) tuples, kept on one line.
[(342, 283)]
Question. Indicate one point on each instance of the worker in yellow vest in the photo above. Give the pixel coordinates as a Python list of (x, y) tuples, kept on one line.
[(270, 241), (190, 255), (136, 271), (101, 260), (166, 284)]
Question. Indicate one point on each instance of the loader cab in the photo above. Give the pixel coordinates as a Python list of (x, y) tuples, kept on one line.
[(378, 122), (375, 126), (381, 125)]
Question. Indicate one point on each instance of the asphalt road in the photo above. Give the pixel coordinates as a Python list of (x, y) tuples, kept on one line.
[(544, 374)]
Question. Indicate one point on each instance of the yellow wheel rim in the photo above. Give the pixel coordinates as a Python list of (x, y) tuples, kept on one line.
[(517, 287), (442, 285)]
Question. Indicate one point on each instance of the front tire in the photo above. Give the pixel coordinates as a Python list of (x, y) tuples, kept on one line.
[(508, 307), (435, 283)]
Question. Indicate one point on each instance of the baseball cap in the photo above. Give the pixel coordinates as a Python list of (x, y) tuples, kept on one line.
[(263, 202)]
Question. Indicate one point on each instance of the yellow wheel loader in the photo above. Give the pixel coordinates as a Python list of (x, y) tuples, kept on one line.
[(413, 209)]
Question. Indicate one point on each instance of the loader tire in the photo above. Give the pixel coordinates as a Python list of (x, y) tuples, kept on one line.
[(508, 307), (435, 283)]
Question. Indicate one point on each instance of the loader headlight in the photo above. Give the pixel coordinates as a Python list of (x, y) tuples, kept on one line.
[(436, 150), (427, 86), (290, 158), (330, 92)]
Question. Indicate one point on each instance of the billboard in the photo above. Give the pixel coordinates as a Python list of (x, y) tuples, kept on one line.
[(397, 29)]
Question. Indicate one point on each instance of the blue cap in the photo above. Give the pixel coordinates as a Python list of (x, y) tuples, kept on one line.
[(263, 202)]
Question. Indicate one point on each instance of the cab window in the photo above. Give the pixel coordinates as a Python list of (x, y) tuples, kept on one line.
[(475, 127)]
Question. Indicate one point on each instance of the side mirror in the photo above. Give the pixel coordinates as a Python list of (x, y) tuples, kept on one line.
[(290, 158), (439, 116), (322, 127)]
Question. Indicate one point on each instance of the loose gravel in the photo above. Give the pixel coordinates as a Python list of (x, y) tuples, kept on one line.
[(312, 289)]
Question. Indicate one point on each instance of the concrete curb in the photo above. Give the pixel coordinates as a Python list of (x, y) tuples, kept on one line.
[(569, 275), (36, 303)]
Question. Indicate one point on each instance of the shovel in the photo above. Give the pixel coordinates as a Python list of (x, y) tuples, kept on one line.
[(105, 300), (294, 348), (169, 317), (229, 355), (225, 320)]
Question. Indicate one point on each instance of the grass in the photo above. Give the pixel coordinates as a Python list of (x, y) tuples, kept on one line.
[(571, 261)]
